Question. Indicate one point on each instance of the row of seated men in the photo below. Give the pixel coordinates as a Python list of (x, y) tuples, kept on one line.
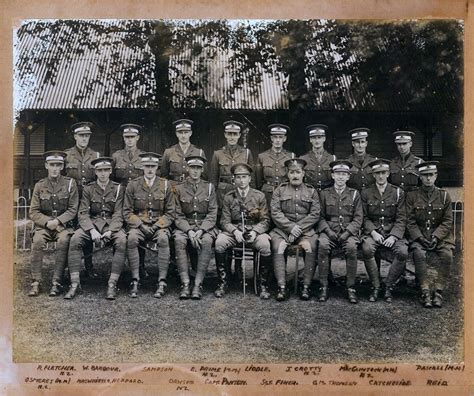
[(154, 208)]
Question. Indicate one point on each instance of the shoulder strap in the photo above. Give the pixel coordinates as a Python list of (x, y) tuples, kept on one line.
[(166, 185), (398, 193), (354, 196), (200, 152), (210, 190), (419, 161), (118, 191), (246, 155), (333, 157), (445, 195), (70, 184)]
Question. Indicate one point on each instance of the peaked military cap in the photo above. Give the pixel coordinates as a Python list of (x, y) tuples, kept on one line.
[(195, 160), (295, 163), (82, 128), (317, 130), (150, 158), (359, 133), (131, 129), (232, 126), (340, 166), (183, 124), (380, 165), (241, 168), (427, 167), (54, 156), (403, 136), (102, 163), (278, 129)]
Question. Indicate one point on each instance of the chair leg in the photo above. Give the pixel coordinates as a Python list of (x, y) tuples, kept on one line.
[(297, 254)]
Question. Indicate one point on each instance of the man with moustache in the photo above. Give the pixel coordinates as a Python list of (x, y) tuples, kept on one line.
[(196, 216), (384, 228), (270, 170), (100, 221), (173, 164), (79, 167), (149, 210), (317, 171), (430, 229), (341, 220), (295, 211), (252, 205), (53, 208), (222, 161), (361, 176)]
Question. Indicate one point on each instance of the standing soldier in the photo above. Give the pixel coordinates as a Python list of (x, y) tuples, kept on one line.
[(317, 170), (403, 171), (148, 209), (341, 220), (243, 204), (430, 229), (270, 170), (53, 208), (196, 216), (100, 222), (127, 166), (295, 211), (384, 228), (361, 176), (173, 165), (223, 159), (79, 167)]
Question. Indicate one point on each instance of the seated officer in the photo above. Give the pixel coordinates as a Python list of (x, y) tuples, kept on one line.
[(232, 153), (384, 228), (361, 176), (148, 210), (53, 207), (317, 169), (173, 163), (295, 212), (403, 171), (100, 222), (196, 216), (341, 220), (271, 171), (249, 206), (430, 229)]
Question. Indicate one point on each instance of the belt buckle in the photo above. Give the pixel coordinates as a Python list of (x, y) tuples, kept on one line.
[(341, 220), (150, 214), (428, 225), (102, 214), (83, 182), (54, 213), (181, 178)]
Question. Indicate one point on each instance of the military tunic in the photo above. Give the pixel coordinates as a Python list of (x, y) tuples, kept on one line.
[(339, 213), (318, 173), (154, 207), (102, 210), (429, 214), (292, 206), (196, 209), (403, 172), (256, 217), (219, 170), (270, 171), (125, 168), (78, 165), (52, 200), (361, 173), (173, 164)]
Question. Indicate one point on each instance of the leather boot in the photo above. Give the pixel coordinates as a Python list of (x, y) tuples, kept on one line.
[(351, 295), (281, 294), (141, 266), (323, 294), (111, 292), (426, 298), (265, 263), (56, 289), (305, 293), (161, 289), (221, 264), (438, 299), (133, 289), (185, 292), (73, 290), (34, 289), (388, 294), (197, 292), (89, 272), (374, 295)]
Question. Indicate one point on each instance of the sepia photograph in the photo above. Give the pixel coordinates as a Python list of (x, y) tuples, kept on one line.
[(238, 190)]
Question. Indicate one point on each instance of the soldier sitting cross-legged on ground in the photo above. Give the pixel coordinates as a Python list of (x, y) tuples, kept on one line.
[(196, 216), (53, 207), (148, 210), (100, 222)]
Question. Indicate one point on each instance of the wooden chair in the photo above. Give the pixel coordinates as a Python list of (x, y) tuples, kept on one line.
[(250, 255)]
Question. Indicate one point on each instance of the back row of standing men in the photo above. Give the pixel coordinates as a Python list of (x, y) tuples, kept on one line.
[(302, 212)]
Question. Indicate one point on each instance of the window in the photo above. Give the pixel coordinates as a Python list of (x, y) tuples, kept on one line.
[(37, 139)]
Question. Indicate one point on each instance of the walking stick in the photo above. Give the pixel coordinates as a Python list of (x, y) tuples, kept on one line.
[(243, 249)]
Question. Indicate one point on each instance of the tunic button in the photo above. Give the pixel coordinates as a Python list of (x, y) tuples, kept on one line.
[(340, 207), (382, 210), (54, 203), (403, 176), (363, 177), (276, 162), (149, 203), (54, 195), (403, 168), (382, 201), (429, 212)]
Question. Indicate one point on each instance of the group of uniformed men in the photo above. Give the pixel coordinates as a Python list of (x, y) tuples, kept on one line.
[(316, 202)]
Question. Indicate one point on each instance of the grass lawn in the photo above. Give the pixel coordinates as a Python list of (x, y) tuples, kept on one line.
[(233, 329)]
